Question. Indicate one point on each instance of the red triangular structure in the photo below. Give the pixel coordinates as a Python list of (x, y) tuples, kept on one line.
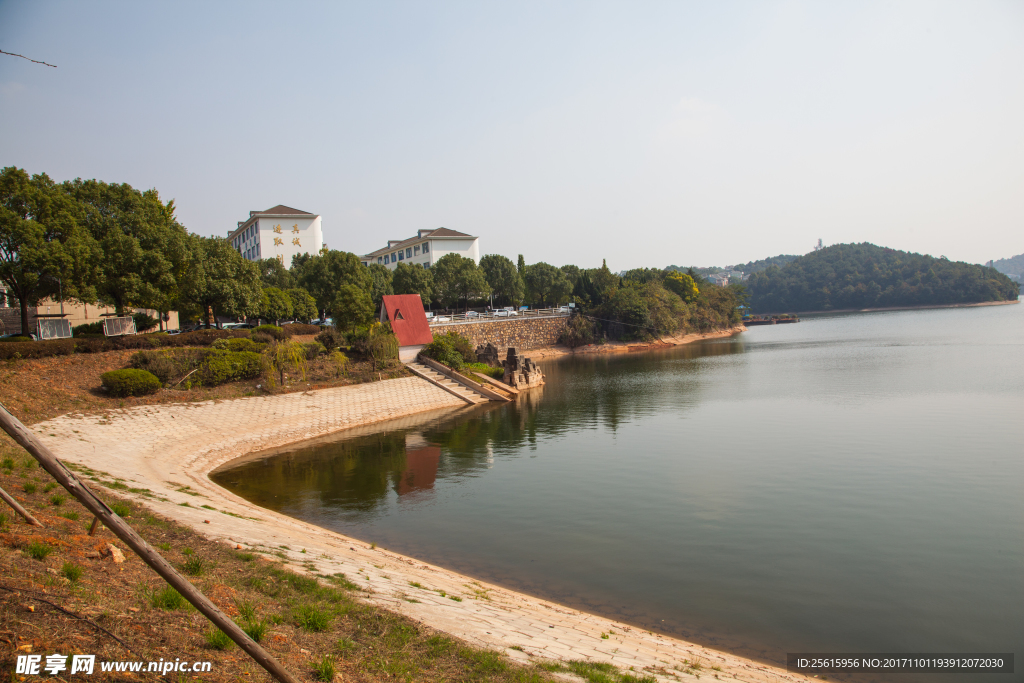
[(410, 325)]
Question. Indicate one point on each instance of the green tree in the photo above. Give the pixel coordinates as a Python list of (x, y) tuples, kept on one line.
[(382, 283), (273, 273), (275, 305), (457, 277), (218, 279), (521, 264), (413, 279), (503, 278), (604, 281), (682, 285), (322, 275), (303, 305), (351, 306), (144, 249), (43, 250), (546, 284)]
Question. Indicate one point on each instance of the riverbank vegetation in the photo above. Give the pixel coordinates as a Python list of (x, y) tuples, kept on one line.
[(868, 276)]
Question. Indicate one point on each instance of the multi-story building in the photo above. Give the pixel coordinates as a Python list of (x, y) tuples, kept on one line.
[(281, 232), (425, 248)]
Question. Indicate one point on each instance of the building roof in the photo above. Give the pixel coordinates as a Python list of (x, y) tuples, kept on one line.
[(409, 322), (281, 210), (422, 236)]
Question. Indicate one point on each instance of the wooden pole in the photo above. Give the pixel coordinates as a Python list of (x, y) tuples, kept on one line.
[(123, 531), (9, 499)]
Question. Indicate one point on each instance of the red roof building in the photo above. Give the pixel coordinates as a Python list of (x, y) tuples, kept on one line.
[(409, 322)]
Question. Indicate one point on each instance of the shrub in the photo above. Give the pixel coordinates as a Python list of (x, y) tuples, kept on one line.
[(261, 337), (88, 328), (238, 344), (313, 349), (451, 349), (219, 367), (299, 328), (16, 339), (144, 321), (376, 342), (339, 362), (578, 331), (161, 365), (130, 382), (330, 338), (484, 369), (273, 330), (37, 349)]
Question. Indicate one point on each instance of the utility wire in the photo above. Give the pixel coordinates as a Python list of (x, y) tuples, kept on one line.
[(35, 61)]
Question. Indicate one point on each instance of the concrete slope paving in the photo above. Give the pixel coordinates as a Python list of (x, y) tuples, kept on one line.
[(170, 450)]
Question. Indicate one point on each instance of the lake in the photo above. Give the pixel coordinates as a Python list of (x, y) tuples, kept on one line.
[(850, 483)]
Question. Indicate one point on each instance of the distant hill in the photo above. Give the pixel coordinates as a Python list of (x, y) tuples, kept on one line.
[(757, 266), (868, 276), (1013, 266)]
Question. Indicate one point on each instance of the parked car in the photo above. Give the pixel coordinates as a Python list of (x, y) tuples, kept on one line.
[(563, 309), (442, 319), (504, 313), (429, 314), (174, 331), (472, 314)]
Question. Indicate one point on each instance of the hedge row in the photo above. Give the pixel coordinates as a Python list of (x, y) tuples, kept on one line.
[(64, 347)]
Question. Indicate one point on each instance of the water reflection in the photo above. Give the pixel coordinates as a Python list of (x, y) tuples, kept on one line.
[(841, 485)]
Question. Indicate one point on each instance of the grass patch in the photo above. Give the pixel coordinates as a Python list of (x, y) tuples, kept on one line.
[(164, 546), (49, 487), (71, 571), (194, 566), (313, 618), (122, 510), (256, 629), (324, 669), (29, 487), (218, 640), (38, 551), (70, 514), (57, 499), (166, 599)]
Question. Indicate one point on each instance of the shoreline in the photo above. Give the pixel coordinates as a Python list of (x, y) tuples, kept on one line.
[(143, 447), (922, 307), (557, 350)]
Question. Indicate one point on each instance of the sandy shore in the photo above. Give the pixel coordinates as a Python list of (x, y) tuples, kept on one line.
[(630, 347), (170, 450)]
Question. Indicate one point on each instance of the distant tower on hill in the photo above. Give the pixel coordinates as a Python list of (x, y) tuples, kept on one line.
[(820, 245)]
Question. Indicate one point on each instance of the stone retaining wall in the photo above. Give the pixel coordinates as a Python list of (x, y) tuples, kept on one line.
[(520, 334)]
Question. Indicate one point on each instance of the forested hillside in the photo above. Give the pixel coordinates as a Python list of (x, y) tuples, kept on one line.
[(757, 266), (1013, 266), (868, 276)]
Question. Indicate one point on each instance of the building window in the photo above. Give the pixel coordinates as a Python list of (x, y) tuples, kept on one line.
[(426, 247), (401, 255), (379, 259), (408, 253), (416, 249), (386, 261)]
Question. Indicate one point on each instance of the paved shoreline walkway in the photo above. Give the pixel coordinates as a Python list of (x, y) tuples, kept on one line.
[(166, 448)]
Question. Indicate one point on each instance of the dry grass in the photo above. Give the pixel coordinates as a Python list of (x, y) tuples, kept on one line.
[(38, 389)]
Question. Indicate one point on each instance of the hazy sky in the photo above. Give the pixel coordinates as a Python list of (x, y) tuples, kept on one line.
[(646, 133)]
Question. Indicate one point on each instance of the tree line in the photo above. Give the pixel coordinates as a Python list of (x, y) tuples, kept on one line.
[(90, 241), (866, 276)]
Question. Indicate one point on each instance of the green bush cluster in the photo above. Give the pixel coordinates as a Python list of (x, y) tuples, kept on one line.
[(313, 349), (218, 367), (299, 328), (88, 328), (16, 339), (578, 331), (273, 330), (238, 344), (130, 382), (451, 349), (331, 338)]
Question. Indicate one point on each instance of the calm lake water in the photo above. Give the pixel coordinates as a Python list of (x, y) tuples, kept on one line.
[(851, 483)]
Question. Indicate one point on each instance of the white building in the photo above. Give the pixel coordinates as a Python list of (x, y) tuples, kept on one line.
[(425, 248), (280, 232)]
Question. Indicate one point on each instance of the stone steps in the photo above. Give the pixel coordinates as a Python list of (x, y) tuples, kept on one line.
[(467, 394)]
